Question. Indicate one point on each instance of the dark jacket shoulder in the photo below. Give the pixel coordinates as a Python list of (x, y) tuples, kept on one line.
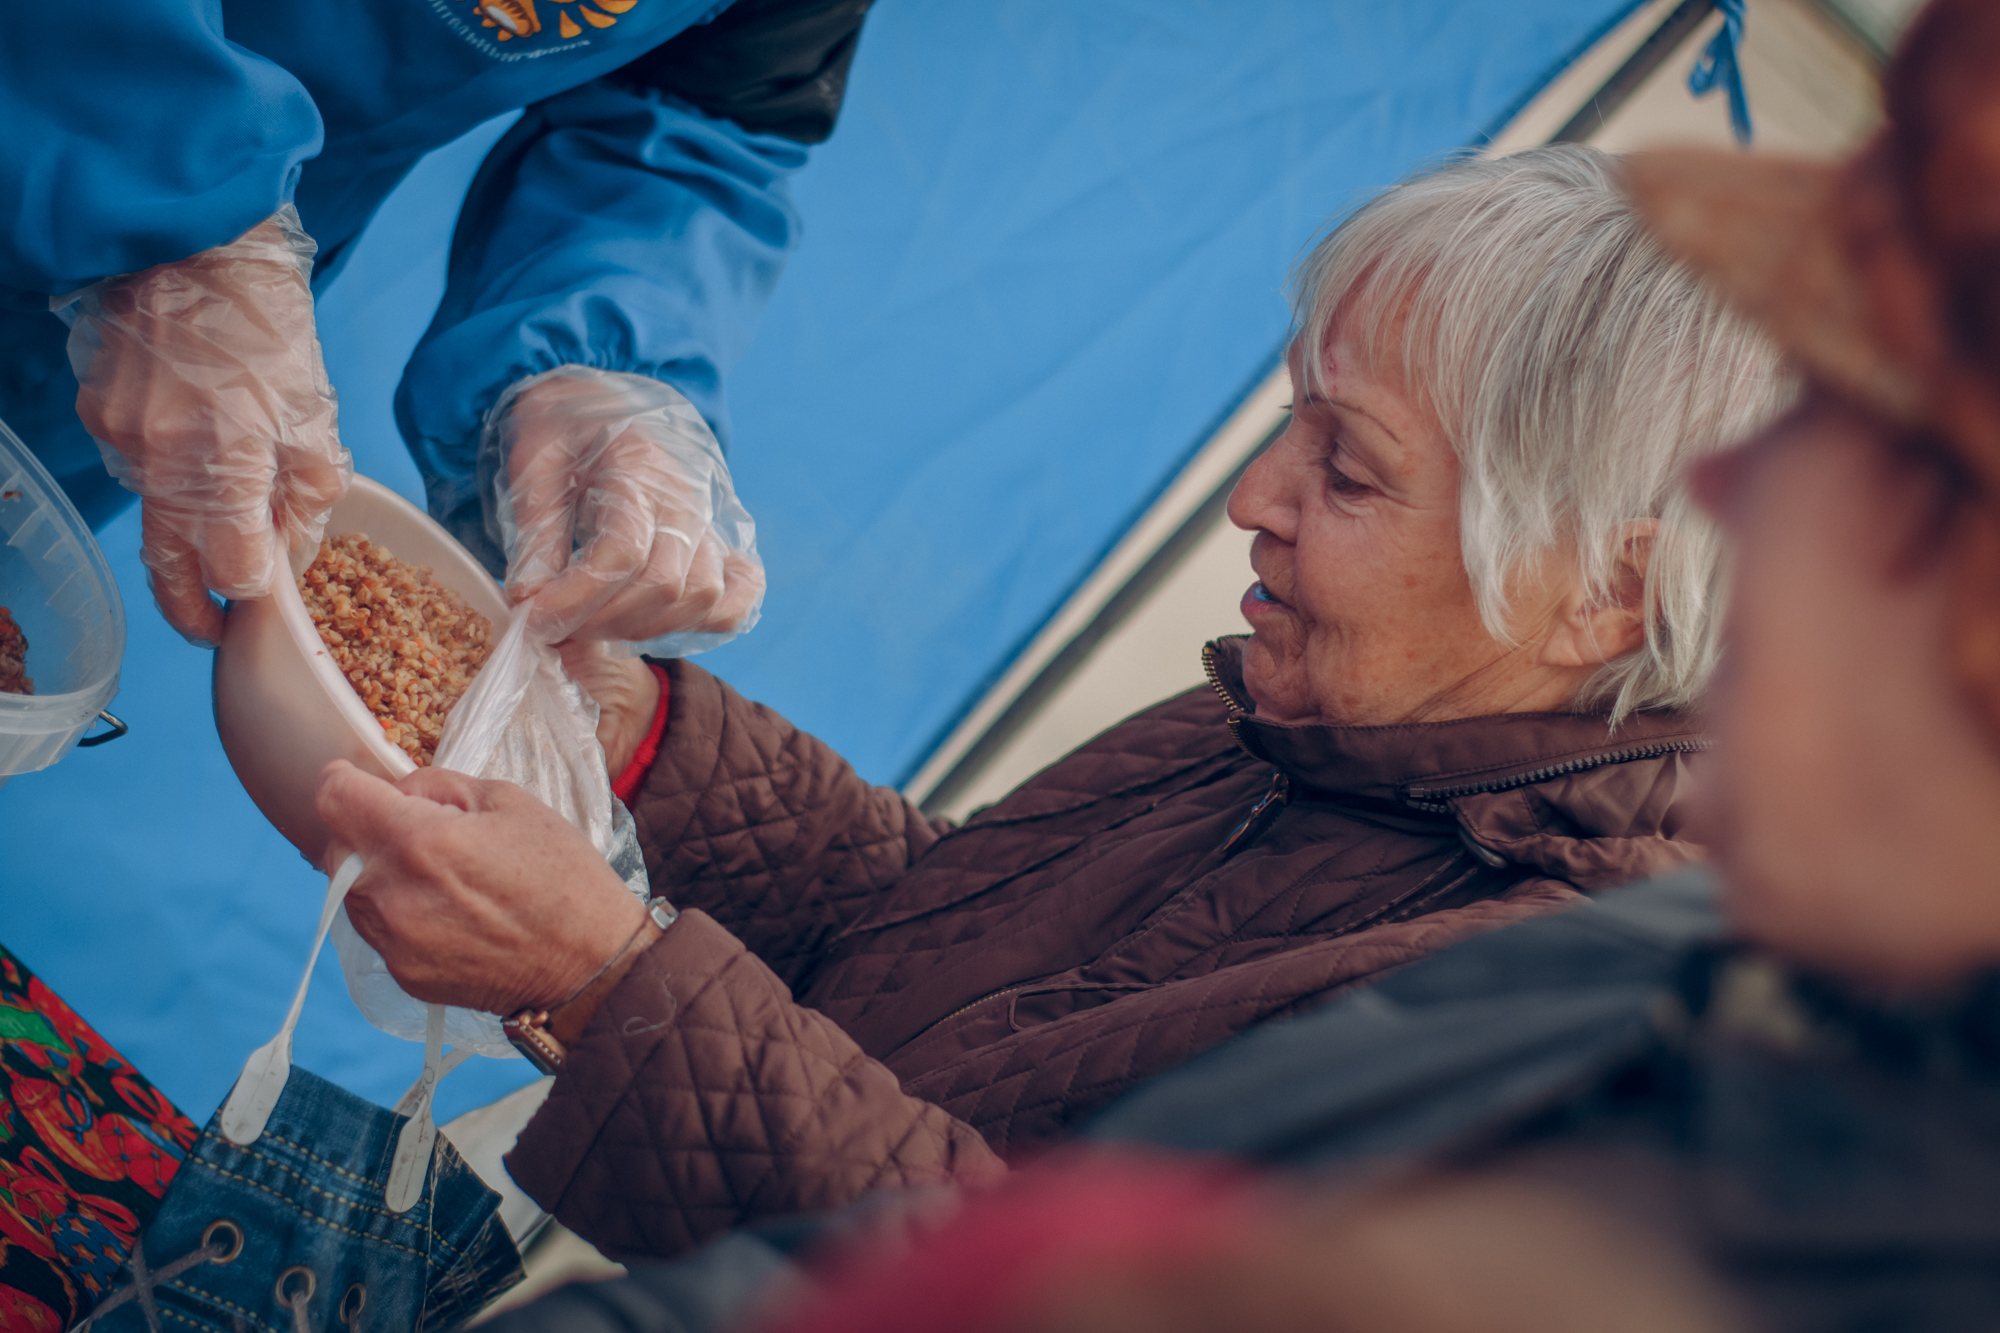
[(1489, 1029), (772, 66)]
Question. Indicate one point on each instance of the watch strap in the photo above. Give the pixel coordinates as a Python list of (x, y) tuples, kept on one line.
[(544, 1036)]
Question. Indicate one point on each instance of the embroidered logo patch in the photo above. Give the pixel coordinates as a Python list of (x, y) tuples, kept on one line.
[(520, 20)]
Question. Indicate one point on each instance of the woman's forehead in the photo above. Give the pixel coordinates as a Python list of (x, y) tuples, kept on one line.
[(1355, 371), (1363, 343)]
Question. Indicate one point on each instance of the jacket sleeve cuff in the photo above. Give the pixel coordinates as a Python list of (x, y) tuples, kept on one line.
[(612, 229), (626, 785)]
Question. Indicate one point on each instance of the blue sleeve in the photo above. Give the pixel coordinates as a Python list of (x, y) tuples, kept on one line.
[(137, 135), (609, 228)]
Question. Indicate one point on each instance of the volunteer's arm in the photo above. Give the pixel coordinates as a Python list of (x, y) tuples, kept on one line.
[(136, 138), (626, 232), (617, 231), (148, 150)]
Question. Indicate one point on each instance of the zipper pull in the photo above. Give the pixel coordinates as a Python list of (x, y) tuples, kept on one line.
[(1480, 851), (1261, 816)]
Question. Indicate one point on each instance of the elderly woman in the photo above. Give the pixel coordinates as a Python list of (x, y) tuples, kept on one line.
[(1483, 611), (1799, 1126)]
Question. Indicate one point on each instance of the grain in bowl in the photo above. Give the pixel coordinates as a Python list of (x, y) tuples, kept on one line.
[(407, 644)]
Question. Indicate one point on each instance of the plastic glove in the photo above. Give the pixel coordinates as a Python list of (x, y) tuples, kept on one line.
[(611, 498), (203, 385)]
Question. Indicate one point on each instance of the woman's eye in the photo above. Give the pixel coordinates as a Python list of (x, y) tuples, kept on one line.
[(1339, 482)]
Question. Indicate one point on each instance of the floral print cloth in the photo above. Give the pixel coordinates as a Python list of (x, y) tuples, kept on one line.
[(87, 1147)]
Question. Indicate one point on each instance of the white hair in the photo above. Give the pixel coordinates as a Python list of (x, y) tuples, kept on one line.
[(1576, 371)]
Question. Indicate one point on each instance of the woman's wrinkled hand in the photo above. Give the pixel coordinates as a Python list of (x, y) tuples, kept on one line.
[(627, 695), (475, 893)]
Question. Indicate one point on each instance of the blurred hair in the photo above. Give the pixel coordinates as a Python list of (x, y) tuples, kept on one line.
[(1575, 369)]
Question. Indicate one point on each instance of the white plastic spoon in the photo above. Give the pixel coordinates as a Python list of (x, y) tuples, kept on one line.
[(262, 1081), (418, 1137)]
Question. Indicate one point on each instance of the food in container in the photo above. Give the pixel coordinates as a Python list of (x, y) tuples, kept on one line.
[(284, 706), (64, 604), (407, 644), (14, 678)]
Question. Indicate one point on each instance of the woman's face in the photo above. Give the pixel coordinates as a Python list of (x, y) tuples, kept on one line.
[(1853, 801), (1363, 613)]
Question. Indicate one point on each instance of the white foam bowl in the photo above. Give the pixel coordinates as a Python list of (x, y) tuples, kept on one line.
[(284, 710), (54, 580)]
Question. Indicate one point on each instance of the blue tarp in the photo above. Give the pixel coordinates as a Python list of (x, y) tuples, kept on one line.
[(1044, 258)]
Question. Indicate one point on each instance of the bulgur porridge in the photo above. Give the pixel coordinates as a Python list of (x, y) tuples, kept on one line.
[(409, 645)]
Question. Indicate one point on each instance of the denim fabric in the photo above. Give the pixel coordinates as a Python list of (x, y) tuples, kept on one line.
[(308, 1194)]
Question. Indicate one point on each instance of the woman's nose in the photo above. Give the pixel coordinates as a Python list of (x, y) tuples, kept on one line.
[(1260, 500)]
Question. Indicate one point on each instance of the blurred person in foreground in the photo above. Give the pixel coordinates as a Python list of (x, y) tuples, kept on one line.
[(1482, 619), (1800, 1128)]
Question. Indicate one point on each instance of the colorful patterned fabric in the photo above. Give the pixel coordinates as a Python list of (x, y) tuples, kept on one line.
[(87, 1148)]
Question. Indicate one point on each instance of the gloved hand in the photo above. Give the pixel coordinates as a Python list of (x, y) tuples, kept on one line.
[(202, 382), (611, 498)]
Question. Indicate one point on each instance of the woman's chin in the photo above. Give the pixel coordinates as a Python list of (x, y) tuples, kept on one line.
[(1264, 680)]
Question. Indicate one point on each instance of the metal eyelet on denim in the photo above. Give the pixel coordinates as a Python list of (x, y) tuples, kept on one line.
[(307, 1196)]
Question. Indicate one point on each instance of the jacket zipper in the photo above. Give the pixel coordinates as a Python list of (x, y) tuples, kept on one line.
[(1229, 701), (1215, 679), (968, 1008), (1261, 816), (1278, 795), (1437, 800)]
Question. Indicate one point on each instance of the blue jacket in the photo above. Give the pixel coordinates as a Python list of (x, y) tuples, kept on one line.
[(619, 224)]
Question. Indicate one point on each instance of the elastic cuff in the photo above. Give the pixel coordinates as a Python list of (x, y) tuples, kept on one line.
[(649, 749)]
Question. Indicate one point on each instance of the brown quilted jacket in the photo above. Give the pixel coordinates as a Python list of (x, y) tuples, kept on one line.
[(856, 996)]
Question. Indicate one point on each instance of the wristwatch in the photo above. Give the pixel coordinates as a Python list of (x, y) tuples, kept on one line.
[(544, 1036)]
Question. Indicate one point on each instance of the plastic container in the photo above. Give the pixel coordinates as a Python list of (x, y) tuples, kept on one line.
[(284, 710), (54, 579)]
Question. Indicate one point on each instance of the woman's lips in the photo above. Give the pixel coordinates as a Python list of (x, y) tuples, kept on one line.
[(1260, 600)]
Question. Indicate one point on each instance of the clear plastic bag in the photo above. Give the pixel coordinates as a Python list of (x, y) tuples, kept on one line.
[(525, 721)]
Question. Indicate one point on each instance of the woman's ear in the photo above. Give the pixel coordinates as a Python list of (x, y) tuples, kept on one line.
[(1590, 631)]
